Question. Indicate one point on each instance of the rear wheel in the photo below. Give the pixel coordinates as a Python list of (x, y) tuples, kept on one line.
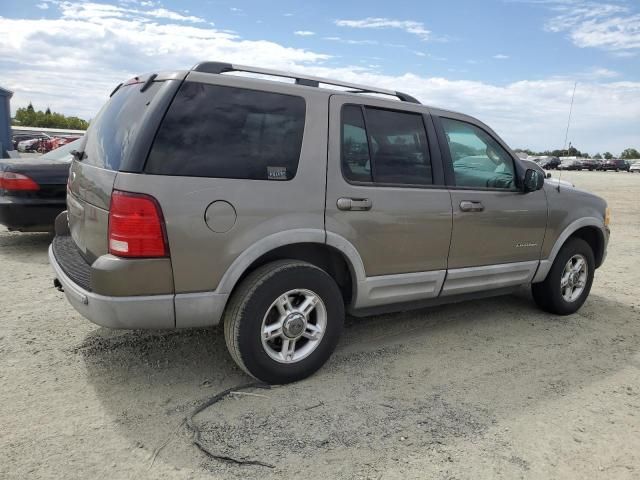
[(568, 283), (284, 321)]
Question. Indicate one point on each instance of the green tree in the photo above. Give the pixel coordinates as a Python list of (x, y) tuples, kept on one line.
[(630, 154), (29, 117), (597, 156), (608, 155)]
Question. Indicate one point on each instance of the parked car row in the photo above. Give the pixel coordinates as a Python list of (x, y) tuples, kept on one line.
[(41, 142), (594, 164), (578, 163)]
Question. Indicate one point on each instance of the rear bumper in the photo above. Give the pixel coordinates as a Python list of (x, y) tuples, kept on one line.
[(202, 309), (32, 215), (152, 311)]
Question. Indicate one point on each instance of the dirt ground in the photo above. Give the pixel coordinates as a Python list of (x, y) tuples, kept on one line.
[(486, 389)]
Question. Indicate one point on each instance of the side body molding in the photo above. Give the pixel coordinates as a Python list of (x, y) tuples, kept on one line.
[(545, 264), (385, 289)]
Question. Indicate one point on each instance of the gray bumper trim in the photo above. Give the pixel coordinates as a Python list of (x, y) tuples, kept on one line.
[(203, 309), (153, 311)]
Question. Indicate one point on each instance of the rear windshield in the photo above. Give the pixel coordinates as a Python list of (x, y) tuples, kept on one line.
[(111, 134), (227, 132)]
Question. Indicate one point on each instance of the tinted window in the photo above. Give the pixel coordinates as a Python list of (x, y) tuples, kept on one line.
[(398, 143), (478, 160), (355, 149), (225, 132), (112, 133)]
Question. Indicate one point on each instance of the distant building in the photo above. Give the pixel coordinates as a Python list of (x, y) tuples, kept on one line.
[(5, 122)]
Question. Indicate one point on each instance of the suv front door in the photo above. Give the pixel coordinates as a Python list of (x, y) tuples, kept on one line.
[(497, 229), (386, 197)]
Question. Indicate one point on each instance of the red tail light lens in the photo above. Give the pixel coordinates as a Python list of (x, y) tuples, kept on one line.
[(136, 226), (17, 182)]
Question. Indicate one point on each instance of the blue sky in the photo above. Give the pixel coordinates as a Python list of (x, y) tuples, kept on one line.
[(511, 63)]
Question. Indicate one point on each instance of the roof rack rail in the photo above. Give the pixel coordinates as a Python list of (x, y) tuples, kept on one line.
[(306, 80)]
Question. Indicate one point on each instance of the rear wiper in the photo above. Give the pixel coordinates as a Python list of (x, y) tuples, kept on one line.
[(115, 90), (149, 81), (79, 156)]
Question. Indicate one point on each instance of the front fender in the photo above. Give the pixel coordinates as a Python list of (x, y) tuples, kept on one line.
[(545, 264)]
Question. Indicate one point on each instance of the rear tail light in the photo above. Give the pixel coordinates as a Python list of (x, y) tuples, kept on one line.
[(136, 226), (17, 182)]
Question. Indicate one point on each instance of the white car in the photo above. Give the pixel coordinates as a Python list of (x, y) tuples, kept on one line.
[(25, 145), (635, 167)]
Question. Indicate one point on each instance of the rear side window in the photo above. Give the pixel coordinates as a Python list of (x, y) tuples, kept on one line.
[(111, 134), (384, 146), (227, 132), (356, 164)]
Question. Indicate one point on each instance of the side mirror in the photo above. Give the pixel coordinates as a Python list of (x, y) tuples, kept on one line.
[(533, 180)]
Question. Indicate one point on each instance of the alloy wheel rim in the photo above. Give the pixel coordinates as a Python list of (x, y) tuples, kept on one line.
[(574, 278), (293, 326)]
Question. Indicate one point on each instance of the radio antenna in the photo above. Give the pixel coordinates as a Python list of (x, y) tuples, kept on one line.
[(566, 134)]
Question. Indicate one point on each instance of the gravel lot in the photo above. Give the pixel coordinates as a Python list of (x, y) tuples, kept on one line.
[(486, 389)]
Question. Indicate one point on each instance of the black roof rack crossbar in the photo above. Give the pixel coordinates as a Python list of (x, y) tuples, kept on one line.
[(306, 80)]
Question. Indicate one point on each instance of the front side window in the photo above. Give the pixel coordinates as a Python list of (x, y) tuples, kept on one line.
[(384, 146), (227, 132), (478, 160)]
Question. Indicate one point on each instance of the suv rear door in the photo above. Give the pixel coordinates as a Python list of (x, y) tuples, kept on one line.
[(497, 229), (386, 197), (118, 139)]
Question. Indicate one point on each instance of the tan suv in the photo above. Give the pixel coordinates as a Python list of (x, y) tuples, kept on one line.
[(198, 197)]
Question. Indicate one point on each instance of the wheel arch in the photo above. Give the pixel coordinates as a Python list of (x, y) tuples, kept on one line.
[(590, 229), (595, 238), (331, 252)]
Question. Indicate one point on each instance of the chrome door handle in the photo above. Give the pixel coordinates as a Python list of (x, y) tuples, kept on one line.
[(354, 204), (468, 206)]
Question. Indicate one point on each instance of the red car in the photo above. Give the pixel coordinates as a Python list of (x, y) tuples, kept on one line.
[(45, 145)]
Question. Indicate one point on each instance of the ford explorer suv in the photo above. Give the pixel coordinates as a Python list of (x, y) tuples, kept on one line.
[(203, 196)]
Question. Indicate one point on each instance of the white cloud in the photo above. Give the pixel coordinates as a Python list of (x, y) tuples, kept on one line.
[(304, 33), (351, 42), (613, 27), (42, 6), (528, 113), (501, 56), (97, 46), (171, 15), (602, 73), (409, 26)]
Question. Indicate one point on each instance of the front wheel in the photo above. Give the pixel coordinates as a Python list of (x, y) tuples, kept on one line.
[(568, 283), (284, 321)]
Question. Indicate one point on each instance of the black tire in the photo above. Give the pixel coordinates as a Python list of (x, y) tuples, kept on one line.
[(547, 294), (249, 304)]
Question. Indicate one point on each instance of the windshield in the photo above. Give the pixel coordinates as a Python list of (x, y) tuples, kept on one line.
[(63, 153)]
